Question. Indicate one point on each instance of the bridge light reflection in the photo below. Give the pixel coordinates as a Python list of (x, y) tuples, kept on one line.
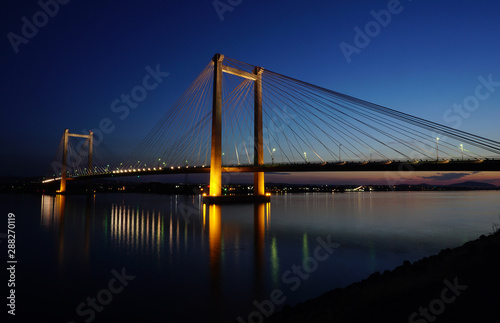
[(275, 262), (305, 246), (136, 230), (52, 208)]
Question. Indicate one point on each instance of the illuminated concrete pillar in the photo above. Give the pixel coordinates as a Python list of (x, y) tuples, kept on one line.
[(258, 177), (216, 151), (64, 168), (90, 165), (91, 144)]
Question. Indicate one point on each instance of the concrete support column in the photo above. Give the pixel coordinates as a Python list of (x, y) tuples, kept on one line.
[(64, 168), (259, 186), (90, 164), (216, 149), (91, 145)]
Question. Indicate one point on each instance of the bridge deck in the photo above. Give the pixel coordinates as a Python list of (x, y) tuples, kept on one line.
[(492, 165)]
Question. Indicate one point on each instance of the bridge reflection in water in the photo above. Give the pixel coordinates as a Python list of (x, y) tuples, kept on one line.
[(54, 215), (182, 225)]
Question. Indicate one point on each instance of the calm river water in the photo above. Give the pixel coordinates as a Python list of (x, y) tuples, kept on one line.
[(163, 258)]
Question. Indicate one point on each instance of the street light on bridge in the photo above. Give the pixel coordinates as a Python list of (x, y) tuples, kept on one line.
[(272, 155), (462, 148), (437, 148)]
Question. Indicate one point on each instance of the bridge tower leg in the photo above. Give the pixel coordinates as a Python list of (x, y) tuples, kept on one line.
[(62, 187), (258, 177), (216, 150), (90, 163)]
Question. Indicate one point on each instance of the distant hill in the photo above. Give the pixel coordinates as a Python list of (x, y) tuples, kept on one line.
[(473, 184)]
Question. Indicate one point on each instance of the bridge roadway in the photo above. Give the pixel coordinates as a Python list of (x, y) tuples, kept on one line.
[(488, 165)]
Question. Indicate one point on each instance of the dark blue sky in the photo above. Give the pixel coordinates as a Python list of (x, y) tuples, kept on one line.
[(427, 58)]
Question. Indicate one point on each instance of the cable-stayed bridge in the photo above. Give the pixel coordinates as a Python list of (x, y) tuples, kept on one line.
[(237, 117)]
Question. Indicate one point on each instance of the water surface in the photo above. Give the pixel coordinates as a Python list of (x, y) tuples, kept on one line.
[(187, 262)]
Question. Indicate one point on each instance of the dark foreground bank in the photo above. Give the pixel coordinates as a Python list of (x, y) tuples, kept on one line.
[(457, 285)]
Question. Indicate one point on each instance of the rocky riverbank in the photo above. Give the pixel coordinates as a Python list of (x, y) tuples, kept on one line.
[(457, 285)]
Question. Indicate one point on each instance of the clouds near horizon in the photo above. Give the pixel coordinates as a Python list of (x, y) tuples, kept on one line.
[(447, 176)]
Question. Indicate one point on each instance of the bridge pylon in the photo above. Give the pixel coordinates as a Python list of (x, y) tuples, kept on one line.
[(64, 168), (216, 146)]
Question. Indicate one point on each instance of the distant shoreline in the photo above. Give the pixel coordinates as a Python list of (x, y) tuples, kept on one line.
[(23, 185)]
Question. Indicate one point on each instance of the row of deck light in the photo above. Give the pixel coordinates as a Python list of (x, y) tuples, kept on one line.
[(145, 169), (135, 170)]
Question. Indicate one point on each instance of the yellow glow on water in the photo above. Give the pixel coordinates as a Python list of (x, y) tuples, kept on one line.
[(259, 222), (159, 236), (147, 228), (268, 215), (170, 235), (48, 214), (214, 233), (204, 215)]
